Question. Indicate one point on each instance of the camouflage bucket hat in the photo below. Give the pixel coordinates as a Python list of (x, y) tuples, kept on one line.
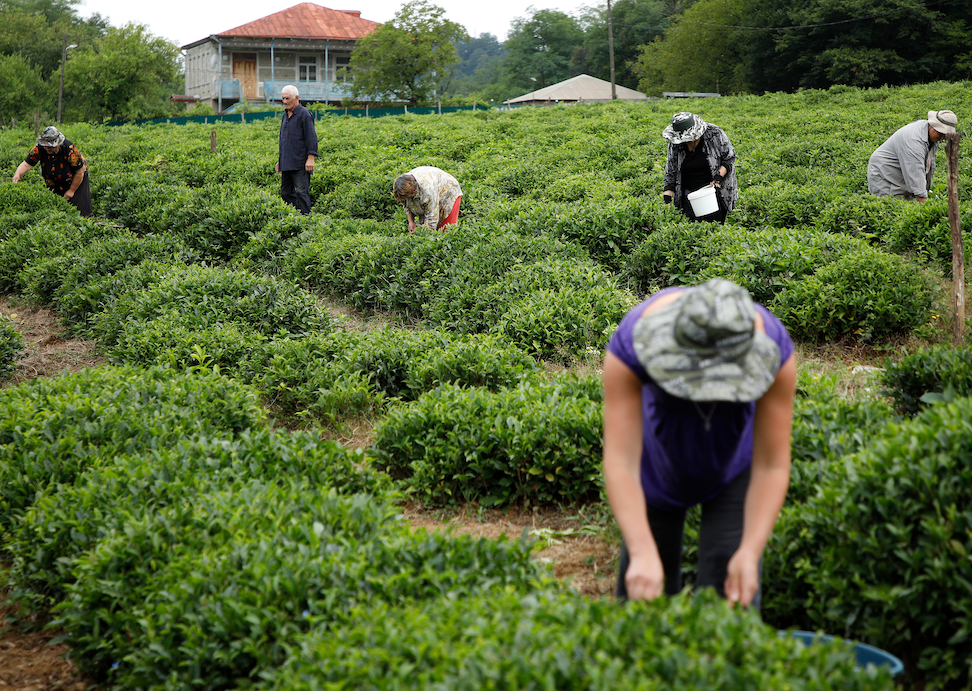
[(685, 127), (50, 137), (704, 346)]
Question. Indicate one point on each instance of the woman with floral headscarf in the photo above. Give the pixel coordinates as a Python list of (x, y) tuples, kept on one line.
[(64, 169), (699, 155)]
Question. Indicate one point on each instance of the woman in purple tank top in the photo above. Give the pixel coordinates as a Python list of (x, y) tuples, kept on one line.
[(698, 407)]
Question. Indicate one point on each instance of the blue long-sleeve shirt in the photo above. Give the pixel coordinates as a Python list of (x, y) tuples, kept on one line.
[(298, 139)]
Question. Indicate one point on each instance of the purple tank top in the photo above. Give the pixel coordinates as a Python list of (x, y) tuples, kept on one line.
[(691, 450)]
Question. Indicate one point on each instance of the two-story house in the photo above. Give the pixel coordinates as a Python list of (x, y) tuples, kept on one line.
[(306, 45)]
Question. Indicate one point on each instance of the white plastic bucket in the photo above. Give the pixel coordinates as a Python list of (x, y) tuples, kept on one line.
[(704, 201)]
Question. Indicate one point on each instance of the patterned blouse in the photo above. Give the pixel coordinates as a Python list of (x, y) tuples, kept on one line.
[(59, 168), (437, 194)]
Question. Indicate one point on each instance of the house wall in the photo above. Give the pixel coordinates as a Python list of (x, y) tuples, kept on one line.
[(204, 68)]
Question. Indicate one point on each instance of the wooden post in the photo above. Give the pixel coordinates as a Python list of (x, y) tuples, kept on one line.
[(955, 223), (212, 141)]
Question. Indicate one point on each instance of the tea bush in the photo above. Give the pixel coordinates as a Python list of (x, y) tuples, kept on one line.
[(200, 296), (33, 197), (538, 443), (53, 429), (509, 640), (767, 262), (339, 375), (101, 292), (928, 371), (167, 340), (11, 346), (825, 429), (864, 216), (65, 276), (208, 594), (65, 520), (868, 295), (923, 230), (49, 237), (893, 532)]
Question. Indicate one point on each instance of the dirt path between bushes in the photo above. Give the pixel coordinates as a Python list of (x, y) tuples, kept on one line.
[(572, 543)]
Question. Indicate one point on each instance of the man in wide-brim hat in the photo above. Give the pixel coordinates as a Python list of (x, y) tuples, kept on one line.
[(64, 169), (904, 165)]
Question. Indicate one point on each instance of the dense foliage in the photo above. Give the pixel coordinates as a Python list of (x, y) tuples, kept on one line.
[(185, 542)]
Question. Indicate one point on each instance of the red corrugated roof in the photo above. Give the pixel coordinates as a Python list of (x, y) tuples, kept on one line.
[(307, 21)]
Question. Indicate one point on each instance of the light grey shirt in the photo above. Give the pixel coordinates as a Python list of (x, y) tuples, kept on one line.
[(904, 165)]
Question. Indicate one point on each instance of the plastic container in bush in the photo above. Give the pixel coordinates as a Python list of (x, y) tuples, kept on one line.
[(866, 654)]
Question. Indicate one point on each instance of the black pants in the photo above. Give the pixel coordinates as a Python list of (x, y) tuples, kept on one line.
[(82, 197), (719, 538), (295, 189)]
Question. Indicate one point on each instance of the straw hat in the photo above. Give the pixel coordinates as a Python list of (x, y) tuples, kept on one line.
[(944, 121)]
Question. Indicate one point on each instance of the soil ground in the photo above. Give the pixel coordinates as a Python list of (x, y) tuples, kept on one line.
[(579, 546)]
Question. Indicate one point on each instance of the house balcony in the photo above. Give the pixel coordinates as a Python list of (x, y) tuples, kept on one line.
[(228, 89), (327, 92)]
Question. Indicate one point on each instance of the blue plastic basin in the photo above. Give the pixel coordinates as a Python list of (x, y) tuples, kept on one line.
[(866, 654)]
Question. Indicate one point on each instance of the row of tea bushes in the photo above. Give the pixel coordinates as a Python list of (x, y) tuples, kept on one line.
[(11, 346), (194, 565), (66, 519), (508, 640), (543, 295), (881, 551), (822, 286), (52, 429), (928, 376), (536, 443)]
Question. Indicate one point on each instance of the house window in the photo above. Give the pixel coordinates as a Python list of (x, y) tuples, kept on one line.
[(342, 69), (307, 68)]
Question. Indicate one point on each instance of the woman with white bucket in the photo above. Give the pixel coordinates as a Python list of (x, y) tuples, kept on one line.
[(700, 177)]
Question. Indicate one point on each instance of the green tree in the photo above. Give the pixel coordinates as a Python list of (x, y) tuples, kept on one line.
[(540, 48), (22, 88), (862, 43), (127, 74), (701, 51), (635, 23), (408, 59)]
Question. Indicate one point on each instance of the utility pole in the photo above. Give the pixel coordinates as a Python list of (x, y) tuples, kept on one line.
[(60, 91), (614, 90), (955, 223)]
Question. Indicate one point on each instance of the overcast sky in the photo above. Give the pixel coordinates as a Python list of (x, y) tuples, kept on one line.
[(185, 21)]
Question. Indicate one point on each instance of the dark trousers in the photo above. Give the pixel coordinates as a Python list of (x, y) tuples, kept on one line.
[(295, 189), (719, 538), (82, 197)]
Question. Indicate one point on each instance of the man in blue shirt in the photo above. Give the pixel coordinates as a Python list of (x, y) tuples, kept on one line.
[(297, 151)]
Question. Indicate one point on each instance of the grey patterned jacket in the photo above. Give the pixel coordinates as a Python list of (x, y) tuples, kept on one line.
[(718, 150)]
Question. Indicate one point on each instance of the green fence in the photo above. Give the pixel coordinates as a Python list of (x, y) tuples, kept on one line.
[(318, 114)]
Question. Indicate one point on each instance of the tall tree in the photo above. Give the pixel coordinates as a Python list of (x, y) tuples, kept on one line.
[(408, 59), (868, 42), (634, 22), (540, 48), (127, 74), (703, 50)]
